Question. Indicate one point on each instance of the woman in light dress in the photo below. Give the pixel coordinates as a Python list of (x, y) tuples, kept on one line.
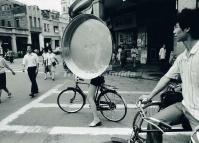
[(52, 62)]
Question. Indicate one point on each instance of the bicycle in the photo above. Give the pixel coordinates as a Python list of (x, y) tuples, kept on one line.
[(108, 101), (143, 117)]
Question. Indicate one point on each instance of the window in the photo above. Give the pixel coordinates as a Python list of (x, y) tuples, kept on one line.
[(5, 7), (48, 27), (30, 19), (9, 24), (177, 4), (197, 3), (56, 29), (45, 27), (2, 22), (35, 22), (39, 22), (17, 22)]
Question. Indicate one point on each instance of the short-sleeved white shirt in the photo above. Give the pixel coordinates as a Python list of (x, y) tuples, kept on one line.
[(188, 69), (45, 56), (51, 58), (30, 60), (162, 53)]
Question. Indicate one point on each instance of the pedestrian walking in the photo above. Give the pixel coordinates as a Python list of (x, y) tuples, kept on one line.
[(10, 56), (162, 58), (31, 63), (134, 53), (186, 67), (3, 65), (52, 62), (123, 57), (119, 54), (45, 62)]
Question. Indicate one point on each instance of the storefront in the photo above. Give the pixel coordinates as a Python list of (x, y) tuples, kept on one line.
[(144, 24)]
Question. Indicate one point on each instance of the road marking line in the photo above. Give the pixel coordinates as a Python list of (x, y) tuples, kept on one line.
[(120, 92), (22, 110), (100, 131), (77, 130), (90, 131), (86, 106), (26, 129)]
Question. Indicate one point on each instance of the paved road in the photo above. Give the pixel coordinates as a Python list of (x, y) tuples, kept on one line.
[(26, 120)]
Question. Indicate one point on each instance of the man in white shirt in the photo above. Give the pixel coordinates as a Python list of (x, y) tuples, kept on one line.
[(162, 57), (187, 67), (31, 62)]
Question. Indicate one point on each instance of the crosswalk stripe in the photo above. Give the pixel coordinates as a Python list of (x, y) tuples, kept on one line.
[(57, 130), (120, 92), (86, 106)]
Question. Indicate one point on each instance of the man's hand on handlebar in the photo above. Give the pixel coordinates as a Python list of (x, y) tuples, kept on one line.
[(145, 99)]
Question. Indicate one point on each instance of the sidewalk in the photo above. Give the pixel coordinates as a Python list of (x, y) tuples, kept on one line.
[(150, 72)]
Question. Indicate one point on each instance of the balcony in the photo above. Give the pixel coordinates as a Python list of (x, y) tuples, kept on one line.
[(36, 29)]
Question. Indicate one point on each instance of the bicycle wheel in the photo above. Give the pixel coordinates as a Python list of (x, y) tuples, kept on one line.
[(138, 124), (70, 100), (112, 105)]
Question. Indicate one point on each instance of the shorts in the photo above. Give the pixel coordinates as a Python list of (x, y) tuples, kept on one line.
[(2, 80), (97, 81)]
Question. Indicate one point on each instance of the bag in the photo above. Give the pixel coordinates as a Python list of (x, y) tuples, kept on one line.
[(47, 69), (54, 64), (170, 97)]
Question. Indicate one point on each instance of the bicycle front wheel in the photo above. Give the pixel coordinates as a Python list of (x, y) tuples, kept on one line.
[(138, 123), (70, 100), (112, 106)]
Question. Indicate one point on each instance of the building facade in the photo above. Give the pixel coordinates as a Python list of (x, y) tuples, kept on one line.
[(53, 27), (13, 26), (21, 24), (145, 24)]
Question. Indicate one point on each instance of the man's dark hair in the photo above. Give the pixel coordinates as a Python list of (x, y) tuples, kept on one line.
[(188, 18)]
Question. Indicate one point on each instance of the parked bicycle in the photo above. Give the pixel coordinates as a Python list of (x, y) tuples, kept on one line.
[(108, 101)]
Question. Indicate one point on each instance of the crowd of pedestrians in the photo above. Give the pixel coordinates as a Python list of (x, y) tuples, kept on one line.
[(31, 64)]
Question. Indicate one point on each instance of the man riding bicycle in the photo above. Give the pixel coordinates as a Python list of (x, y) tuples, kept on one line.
[(185, 66)]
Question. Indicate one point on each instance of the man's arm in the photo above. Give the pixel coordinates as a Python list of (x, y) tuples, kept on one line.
[(24, 63), (37, 61), (160, 86)]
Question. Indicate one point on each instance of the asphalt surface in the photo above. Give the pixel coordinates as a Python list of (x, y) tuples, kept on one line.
[(29, 120)]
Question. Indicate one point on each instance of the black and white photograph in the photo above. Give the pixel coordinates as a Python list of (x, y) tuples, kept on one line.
[(99, 71)]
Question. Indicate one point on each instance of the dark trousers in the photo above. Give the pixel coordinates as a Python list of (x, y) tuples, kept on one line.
[(163, 65), (32, 75), (173, 115)]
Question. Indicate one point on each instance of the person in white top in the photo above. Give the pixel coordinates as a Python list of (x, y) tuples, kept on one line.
[(187, 67), (134, 53), (119, 54), (45, 62), (3, 65), (162, 58), (52, 62), (31, 62)]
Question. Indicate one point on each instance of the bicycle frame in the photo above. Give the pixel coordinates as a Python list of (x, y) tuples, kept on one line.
[(100, 88), (159, 125)]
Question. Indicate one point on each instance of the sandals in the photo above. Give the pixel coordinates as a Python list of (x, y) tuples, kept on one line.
[(93, 124)]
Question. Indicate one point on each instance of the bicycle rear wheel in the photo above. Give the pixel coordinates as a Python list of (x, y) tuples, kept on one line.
[(112, 106), (70, 100), (138, 123)]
